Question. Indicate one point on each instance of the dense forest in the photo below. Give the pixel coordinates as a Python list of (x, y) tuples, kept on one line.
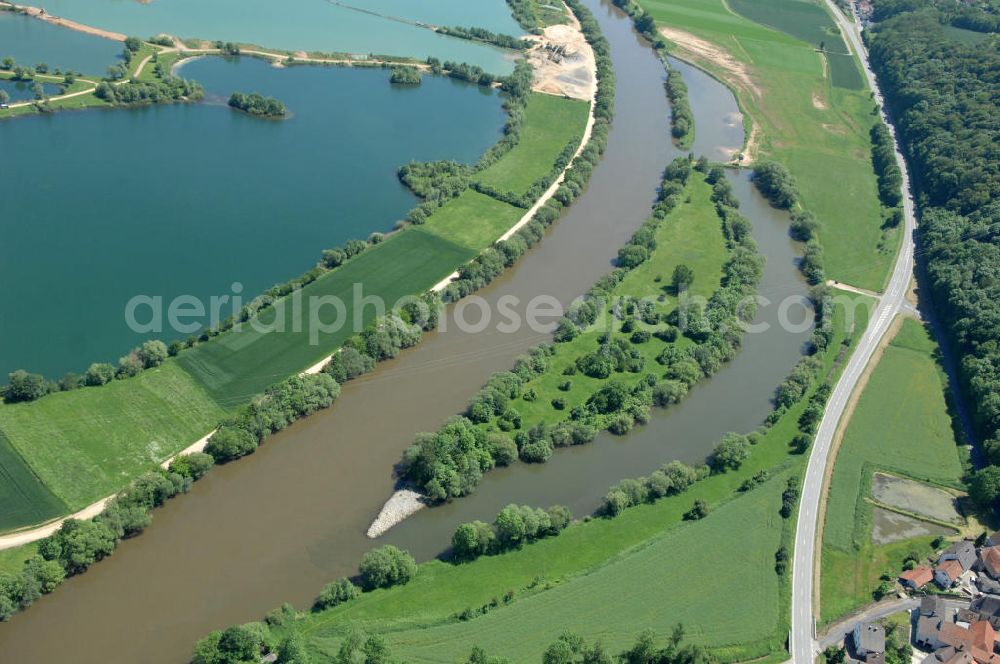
[(943, 94)]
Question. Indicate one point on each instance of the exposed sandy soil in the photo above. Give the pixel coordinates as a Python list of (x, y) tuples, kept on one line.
[(818, 102), (564, 62), (717, 55), (38, 13)]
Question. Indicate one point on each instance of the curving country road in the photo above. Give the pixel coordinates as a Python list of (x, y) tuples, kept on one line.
[(803, 644)]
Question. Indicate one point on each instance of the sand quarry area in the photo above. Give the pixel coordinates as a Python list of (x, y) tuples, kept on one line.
[(563, 62)]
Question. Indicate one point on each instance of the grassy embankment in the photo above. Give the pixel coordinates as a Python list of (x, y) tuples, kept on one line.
[(88, 443), (901, 425), (812, 113), (609, 578)]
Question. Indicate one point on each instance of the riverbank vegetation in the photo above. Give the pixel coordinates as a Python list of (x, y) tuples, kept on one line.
[(803, 117), (904, 408), (82, 444), (939, 92), (602, 372), (486, 36), (605, 575), (405, 76)]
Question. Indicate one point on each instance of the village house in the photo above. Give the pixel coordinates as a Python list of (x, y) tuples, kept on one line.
[(964, 552), (916, 578), (989, 558), (869, 639), (947, 572)]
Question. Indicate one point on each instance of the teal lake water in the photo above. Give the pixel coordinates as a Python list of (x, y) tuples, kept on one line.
[(187, 199), (30, 41), (22, 90), (310, 25)]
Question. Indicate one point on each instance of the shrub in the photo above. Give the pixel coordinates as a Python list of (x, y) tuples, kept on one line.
[(698, 511), (24, 386), (730, 452), (472, 540), (193, 465), (336, 592), (99, 373), (386, 566)]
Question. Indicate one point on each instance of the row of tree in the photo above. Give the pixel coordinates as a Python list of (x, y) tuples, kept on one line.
[(384, 567), (515, 526), (890, 178), (484, 35), (681, 116), (23, 386), (136, 93), (941, 93)]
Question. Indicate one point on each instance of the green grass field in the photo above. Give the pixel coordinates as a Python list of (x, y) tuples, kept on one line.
[(609, 578), (472, 220), (12, 560), (549, 124), (24, 500), (89, 443), (901, 424), (819, 130)]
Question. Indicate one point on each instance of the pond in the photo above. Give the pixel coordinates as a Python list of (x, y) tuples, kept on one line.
[(24, 90), (189, 199)]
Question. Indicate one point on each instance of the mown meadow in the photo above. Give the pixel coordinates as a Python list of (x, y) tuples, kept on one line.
[(815, 122), (901, 424)]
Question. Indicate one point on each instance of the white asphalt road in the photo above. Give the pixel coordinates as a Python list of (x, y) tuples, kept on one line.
[(803, 645)]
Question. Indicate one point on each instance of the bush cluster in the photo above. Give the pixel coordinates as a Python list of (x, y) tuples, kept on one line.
[(514, 526), (136, 93), (258, 105), (403, 75), (671, 479)]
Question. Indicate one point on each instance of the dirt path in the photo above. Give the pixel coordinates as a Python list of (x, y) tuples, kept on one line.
[(703, 50), (41, 14)]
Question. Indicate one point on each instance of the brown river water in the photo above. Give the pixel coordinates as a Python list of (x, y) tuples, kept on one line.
[(276, 526)]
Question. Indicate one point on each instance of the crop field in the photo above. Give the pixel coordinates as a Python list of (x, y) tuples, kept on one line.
[(902, 425), (243, 362), (819, 130), (24, 500), (472, 220), (550, 122), (87, 443), (801, 19)]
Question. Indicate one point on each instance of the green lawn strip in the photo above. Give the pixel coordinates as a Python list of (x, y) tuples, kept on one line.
[(827, 149), (902, 425), (472, 220), (575, 567), (691, 235), (12, 560), (848, 578), (88, 443), (24, 499), (549, 124)]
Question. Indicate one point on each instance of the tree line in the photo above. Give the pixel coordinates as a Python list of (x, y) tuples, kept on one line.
[(515, 526), (484, 35), (137, 93), (941, 93)]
